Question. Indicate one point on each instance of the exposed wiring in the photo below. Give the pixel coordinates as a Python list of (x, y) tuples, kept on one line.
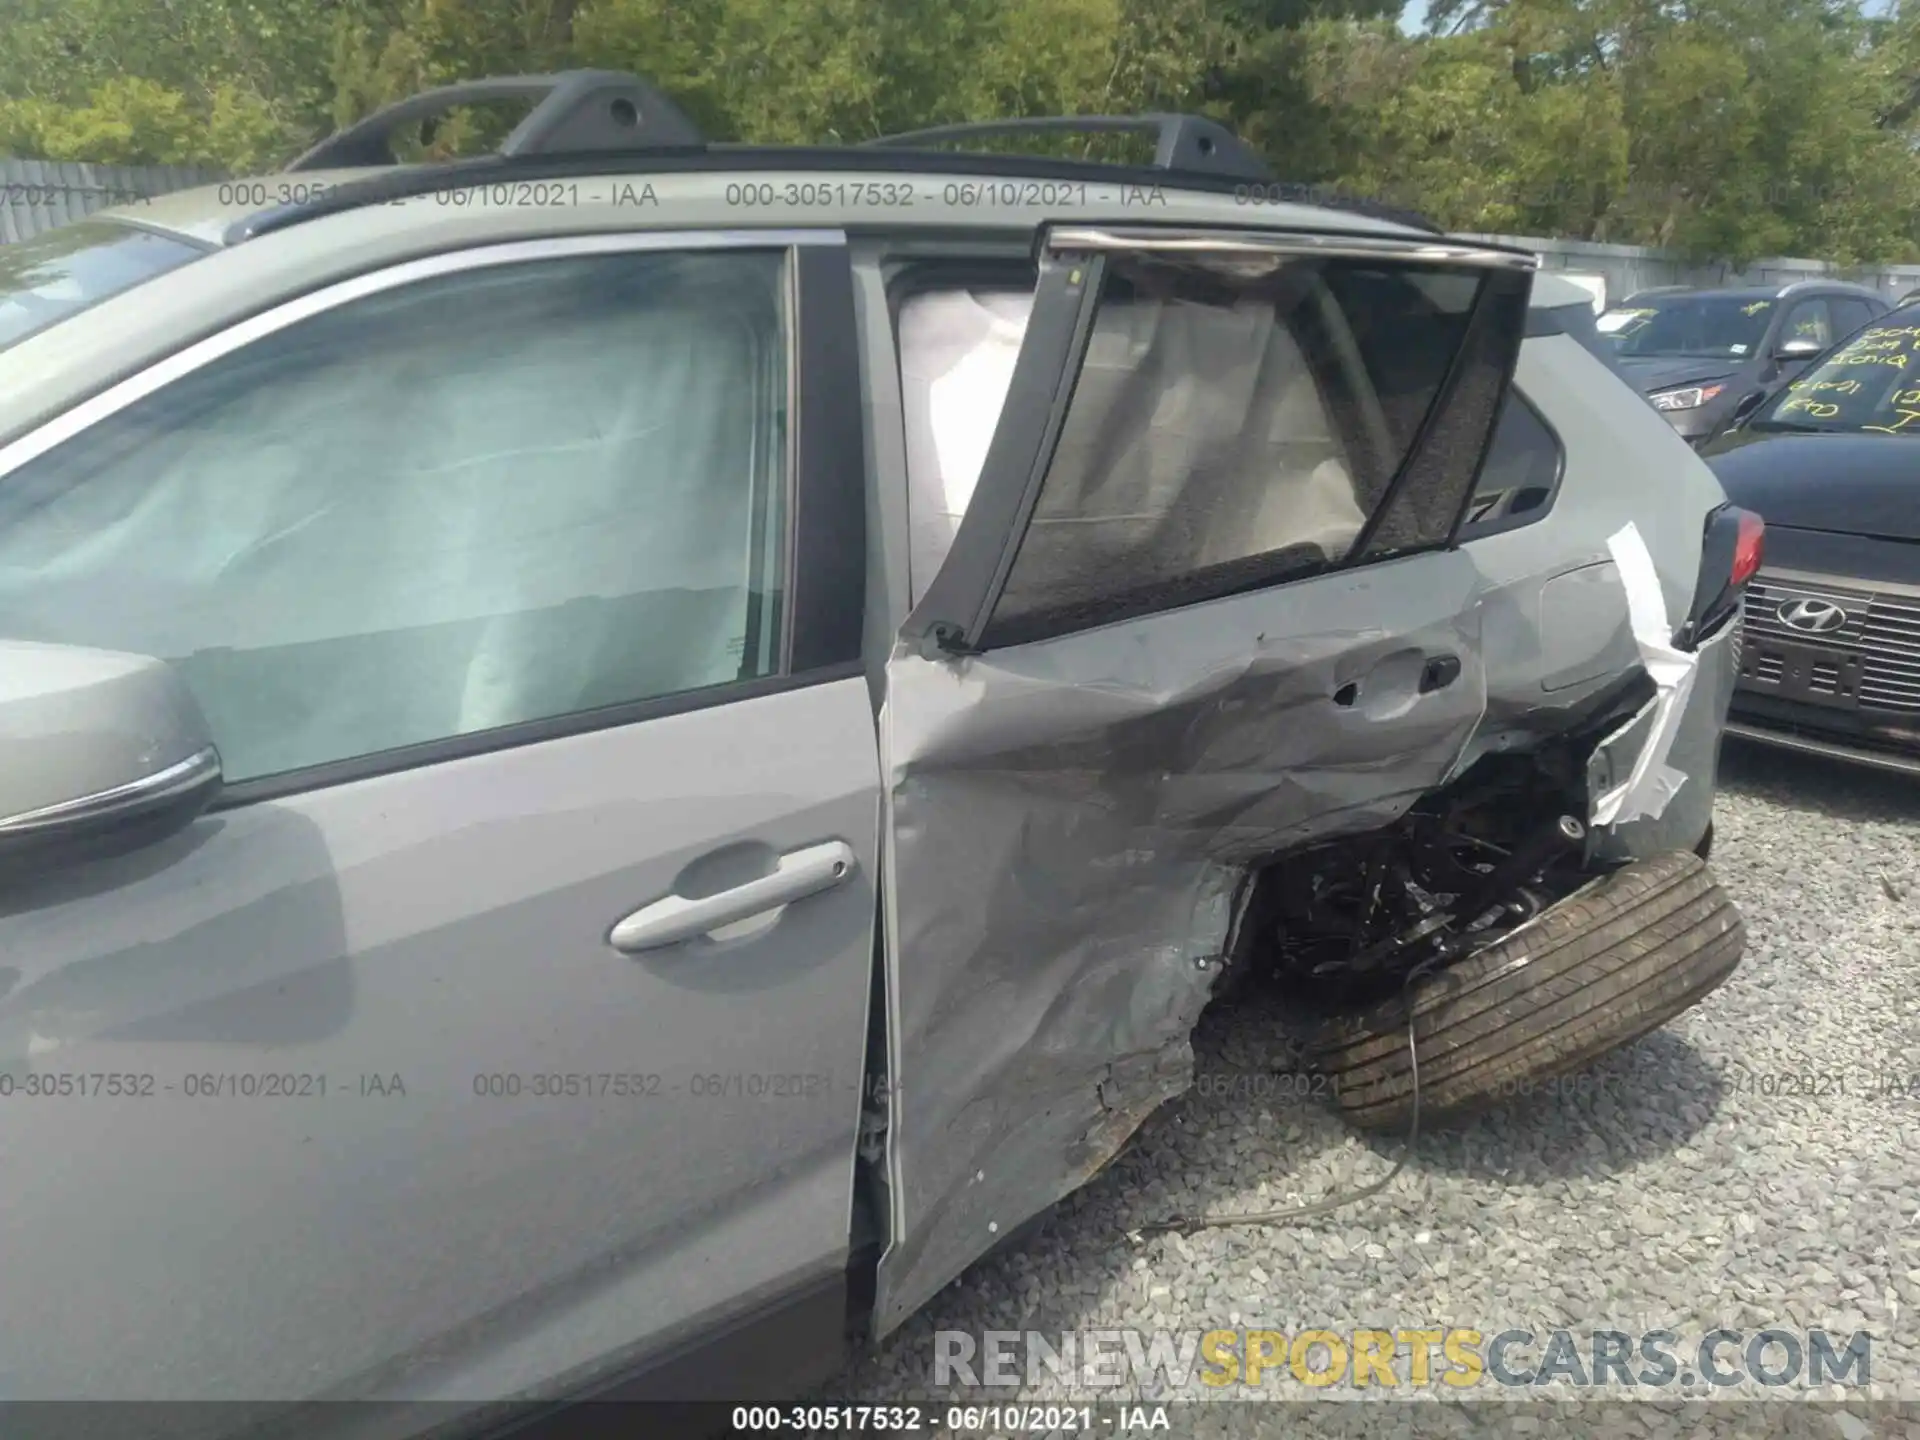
[(1190, 1224)]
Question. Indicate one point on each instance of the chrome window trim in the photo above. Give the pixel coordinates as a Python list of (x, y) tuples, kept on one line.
[(1280, 244), (788, 481), (184, 362)]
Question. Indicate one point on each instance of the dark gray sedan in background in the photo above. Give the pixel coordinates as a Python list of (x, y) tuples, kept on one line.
[(1705, 356), (1831, 661)]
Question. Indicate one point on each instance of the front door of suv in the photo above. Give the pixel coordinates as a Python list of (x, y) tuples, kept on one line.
[(1203, 607), (513, 584)]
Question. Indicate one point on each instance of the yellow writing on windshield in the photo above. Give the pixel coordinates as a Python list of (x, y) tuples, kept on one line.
[(1841, 387), (1901, 398), (1756, 307), (1849, 357), (1908, 418), (1811, 407)]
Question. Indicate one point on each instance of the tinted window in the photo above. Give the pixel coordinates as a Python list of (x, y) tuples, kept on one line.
[(1716, 326), (1808, 320), (52, 276), (1521, 472), (495, 496), (1871, 383), (1849, 314), (1224, 434), (1406, 325)]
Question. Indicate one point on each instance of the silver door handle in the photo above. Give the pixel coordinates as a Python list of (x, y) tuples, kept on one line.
[(674, 918)]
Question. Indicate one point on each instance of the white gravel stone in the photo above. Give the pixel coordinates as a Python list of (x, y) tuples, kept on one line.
[(1742, 1167)]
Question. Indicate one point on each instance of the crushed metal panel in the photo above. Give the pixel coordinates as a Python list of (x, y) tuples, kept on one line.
[(1693, 751), (1613, 760), (1068, 824)]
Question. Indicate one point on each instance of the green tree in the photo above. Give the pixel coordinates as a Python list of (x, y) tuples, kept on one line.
[(1722, 127)]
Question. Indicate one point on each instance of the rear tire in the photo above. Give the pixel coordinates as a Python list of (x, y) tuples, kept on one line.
[(1619, 957)]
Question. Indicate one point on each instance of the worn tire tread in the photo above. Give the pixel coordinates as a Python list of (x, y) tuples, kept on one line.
[(1611, 962), (1559, 951)]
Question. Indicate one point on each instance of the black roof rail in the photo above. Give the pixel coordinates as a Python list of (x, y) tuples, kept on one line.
[(395, 183), (587, 123), (1189, 144), (576, 112)]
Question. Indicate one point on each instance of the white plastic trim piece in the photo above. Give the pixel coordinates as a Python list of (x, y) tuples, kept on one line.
[(1647, 792)]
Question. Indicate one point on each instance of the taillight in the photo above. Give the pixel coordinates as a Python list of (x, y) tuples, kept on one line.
[(1730, 556), (1749, 547)]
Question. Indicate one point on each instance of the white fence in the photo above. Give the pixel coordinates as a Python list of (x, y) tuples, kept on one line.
[(1619, 270), (38, 195)]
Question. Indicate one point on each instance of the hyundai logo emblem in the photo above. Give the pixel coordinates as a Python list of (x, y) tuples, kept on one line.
[(1816, 617)]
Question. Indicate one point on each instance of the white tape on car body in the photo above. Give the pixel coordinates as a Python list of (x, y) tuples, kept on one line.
[(1653, 783)]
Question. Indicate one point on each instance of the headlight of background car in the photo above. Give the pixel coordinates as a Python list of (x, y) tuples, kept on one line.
[(1691, 398)]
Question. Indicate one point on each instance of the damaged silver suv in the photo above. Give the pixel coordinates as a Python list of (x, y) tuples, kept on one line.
[(630, 744)]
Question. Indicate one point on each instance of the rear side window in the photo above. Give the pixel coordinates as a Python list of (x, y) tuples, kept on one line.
[(1227, 433), (1521, 473), (1809, 320), (1849, 314), (52, 276)]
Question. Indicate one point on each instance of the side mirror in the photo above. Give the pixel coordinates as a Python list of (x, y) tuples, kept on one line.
[(1797, 349), (100, 753)]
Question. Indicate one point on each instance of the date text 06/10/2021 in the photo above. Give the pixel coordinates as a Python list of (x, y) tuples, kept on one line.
[(1015, 1419)]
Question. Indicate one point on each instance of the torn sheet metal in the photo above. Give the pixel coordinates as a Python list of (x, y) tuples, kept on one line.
[(1069, 824), (1652, 784)]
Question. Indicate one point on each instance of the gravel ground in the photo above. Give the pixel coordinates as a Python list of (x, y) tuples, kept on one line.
[(1675, 1188)]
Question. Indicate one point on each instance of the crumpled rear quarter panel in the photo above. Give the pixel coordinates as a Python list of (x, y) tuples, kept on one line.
[(1070, 823)]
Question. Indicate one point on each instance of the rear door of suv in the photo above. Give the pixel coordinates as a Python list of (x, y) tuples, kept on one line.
[(1204, 606)]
